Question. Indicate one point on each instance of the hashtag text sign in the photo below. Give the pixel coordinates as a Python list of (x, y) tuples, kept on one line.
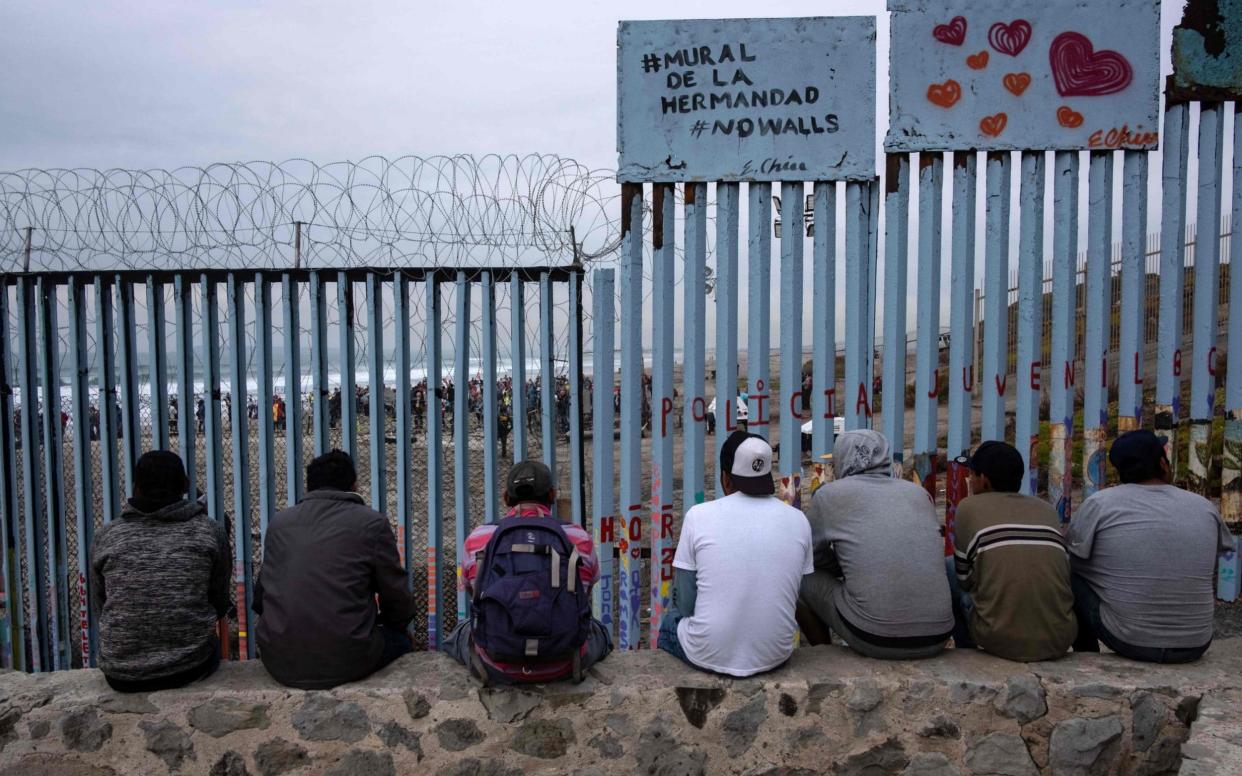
[(746, 99)]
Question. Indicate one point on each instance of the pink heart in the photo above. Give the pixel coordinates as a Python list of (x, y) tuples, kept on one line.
[(1010, 38), (1081, 71), (953, 33)]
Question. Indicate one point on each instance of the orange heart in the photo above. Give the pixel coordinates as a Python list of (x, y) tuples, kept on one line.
[(946, 94), (1068, 117), (1017, 82), (994, 125), (978, 61)]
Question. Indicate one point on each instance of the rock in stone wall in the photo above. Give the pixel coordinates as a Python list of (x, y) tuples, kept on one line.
[(827, 711)]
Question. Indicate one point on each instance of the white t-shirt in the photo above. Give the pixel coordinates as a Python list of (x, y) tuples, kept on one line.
[(749, 554)]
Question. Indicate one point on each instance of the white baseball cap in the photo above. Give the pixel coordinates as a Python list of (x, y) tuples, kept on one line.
[(751, 471)]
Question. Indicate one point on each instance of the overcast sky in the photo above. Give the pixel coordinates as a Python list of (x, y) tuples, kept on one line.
[(161, 85), (164, 84)]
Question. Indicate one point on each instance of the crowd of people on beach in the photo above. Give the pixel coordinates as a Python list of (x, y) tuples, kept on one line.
[(865, 566)]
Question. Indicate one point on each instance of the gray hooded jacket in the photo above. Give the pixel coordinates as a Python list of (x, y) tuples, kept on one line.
[(882, 535), (159, 583)]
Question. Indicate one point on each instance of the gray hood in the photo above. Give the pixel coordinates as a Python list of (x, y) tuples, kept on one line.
[(861, 452)]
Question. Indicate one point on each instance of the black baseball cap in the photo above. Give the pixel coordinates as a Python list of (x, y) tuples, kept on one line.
[(1137, 449), (1000, 462), (529, 481)]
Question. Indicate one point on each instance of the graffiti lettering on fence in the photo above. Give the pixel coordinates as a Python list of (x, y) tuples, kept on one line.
[(1068, 75), (797, 93)]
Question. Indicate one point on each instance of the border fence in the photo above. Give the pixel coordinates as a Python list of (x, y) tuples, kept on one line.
[(455, 365)]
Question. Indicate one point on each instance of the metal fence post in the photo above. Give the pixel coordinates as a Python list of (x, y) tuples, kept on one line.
[(349, 396), (790, 397), (928, 378), (109, 478), (824, 399), (37, 613), (376, 390), (84, 502), (1029, 372), (157, 356), (461, 428), (663, 232), (1098, 307), (12, 640), (491, 475), (184, 303), (994, 375), (294, 453), (896, 259), (631, 315), (1064, 334), (1231, 470), (603, 459), (1175, 164), (962, 375), (727, 205), (214, 455), (243, 555), (54, 534), (1207, 297), (405, 427), (759, 308), (1133, 291), (435, 469), (517, 333)]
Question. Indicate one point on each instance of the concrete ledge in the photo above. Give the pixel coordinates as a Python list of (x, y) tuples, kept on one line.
[(827, 711)]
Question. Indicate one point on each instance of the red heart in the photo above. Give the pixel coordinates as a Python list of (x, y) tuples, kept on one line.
[(978, 61), (1010, 38), (994, 125), (1080, 71), (946, 94), (953, 33), (1068, 117), (1017, 82)]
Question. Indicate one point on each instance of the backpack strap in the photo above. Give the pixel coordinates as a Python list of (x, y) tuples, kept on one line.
[(476, 666), (574, 559), (556, 567)]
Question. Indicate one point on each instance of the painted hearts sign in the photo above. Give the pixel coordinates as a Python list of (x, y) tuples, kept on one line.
[(993, 76), (747, 99)]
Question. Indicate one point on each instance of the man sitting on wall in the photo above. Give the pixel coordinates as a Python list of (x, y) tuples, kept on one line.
[(737, 569), (1144, 558), (529, 577), (879, 561), (1010, 573), (325, 562), (159, 583)]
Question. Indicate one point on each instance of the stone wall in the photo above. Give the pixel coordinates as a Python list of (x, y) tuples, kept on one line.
[(828, 711)]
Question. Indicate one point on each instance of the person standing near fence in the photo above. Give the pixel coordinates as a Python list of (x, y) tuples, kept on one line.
[(160, 577)]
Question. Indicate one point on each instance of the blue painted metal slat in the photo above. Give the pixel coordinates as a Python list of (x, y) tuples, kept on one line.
[(631, 314), (1231, 470), (405, 427), (1175, 153), (961, 332), (461, 429), (1029, 368), (84, 503), (603, 466), (517, 333), (857, 392), (266, 425), (759, 312), (695, 324), (157, 362), (1133, 291), (55, 536), (995, 373), (727, 204), (127, 356), (1207, 295), (547, 379), (345, 351), (1064, 331), (37, 615), (319, 363), (791, 400), (435, 470), (824, 399), (928, 376), (896, 260), (183, 287), (12, 628), (577, 385), (376, 390), (1096, 333), (491, 476), (213, 489), (663, 232), (294, 432), (243, 555), (109, 478)]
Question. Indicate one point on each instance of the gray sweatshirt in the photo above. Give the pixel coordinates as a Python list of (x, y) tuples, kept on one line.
[(881, 534), (159, 583)]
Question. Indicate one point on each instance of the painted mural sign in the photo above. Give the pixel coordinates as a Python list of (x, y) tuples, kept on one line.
[(746, 99), (1058, 74)]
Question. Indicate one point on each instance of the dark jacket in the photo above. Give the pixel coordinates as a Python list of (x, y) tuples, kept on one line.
[(324, 562), (159, 583)]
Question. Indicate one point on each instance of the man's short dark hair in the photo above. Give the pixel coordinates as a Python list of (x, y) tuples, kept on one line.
[(1137, 456), (1001, 463), (160, 474), (331, 471)]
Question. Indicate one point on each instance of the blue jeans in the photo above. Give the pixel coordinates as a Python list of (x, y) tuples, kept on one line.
[(1091, 631), (963, 606), (668, 640)]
